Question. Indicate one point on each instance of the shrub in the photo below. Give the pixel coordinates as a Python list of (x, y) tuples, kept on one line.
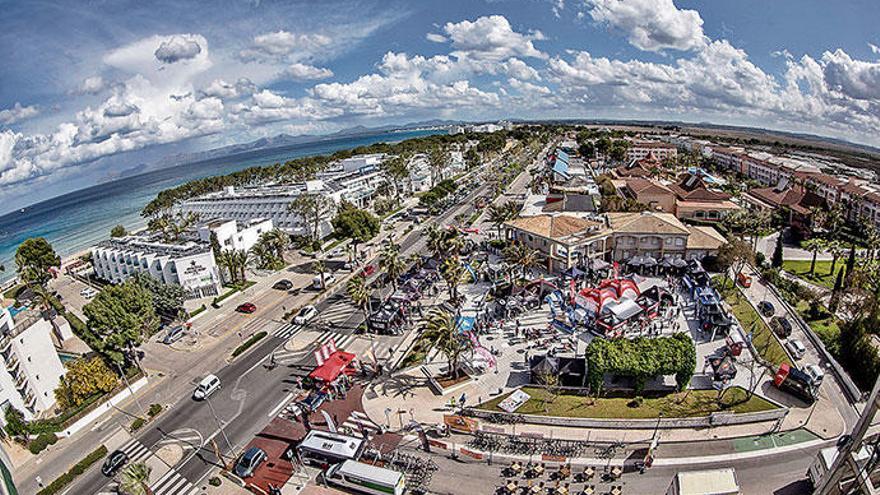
[(154, 410), (137, 424), (215, 481), (78, 469), (642, 359), (248, 343), (42, 441)]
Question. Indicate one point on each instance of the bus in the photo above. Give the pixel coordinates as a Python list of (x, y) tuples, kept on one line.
[(323, 449), (365, 478)]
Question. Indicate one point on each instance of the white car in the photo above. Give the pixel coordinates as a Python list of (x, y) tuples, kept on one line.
[(815, 372), (796, 348), (206, 387), (88, 292), (305, 315), (335, 253)]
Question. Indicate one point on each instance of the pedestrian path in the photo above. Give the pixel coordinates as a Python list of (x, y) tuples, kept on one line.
[(135, 451), (172, 483), (360, 425), (286, 331)]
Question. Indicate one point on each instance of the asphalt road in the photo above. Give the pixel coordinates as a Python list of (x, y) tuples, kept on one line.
[(249, 391)]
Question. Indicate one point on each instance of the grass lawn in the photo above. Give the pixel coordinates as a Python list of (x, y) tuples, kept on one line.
[(826, 326), (674, 405), (821, 277), (763, 339)]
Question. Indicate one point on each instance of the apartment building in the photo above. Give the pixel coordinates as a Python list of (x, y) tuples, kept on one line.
[(660, 235), (729, 158), (651, 193), (31, 368), (234, 235), (188, 264), (859, 198), (639, 150), (265, 202)]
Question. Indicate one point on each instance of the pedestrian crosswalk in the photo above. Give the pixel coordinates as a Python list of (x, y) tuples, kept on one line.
[(339, 313), (360, 425), (286, 331), (186, 438), (172, 483), (135, 451)]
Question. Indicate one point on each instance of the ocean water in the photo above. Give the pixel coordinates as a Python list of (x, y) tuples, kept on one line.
[(77, 220)]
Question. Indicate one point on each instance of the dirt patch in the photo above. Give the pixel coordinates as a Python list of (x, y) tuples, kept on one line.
[(171, 454), (447, 382)]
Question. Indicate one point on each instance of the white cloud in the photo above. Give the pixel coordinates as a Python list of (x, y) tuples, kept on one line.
[(17, 113), (652, 25), (436, 38), (305, 72), (874, 48), (282, 43), (177, 48), (225, 90), (491, 38), (268, 106), (853, 78), (92, 85)]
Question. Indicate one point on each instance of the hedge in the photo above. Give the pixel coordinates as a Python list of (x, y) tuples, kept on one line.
[(154, 410), (77, 469), (248, 343), (642, 359), (137, 424), (42, 441)]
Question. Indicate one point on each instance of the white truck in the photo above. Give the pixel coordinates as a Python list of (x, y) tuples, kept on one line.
[(709, 482)]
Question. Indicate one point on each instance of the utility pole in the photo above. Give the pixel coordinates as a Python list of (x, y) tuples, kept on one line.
[(222, 430), (128, 386)]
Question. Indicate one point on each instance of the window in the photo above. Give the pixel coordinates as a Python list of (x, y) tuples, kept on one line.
[(679, 242)]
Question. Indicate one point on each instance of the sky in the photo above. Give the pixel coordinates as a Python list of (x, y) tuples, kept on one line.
[(93, 89)]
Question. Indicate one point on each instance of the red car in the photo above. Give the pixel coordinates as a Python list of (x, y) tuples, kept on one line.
[(246, 308)]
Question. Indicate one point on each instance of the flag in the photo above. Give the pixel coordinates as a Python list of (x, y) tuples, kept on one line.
[(330, 424)]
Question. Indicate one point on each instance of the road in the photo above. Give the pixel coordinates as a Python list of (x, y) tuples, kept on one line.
[(250, 391)]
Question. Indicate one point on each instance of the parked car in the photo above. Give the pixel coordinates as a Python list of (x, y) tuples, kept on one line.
[(796, 348), (206, 387), (283, 284), (781, 326), (174, 334), (305, 315), (246, 308), (815, 372), (766, 308), (329, 278), (249, 462), (114, 462), (336, 252), (88, 292)]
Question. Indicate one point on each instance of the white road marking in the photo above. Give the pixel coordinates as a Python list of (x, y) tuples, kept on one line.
[(281, 404)]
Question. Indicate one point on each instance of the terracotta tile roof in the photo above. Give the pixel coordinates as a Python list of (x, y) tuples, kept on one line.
[(553, 227), (704, 238), (693, 188), (646, 222), (639, 185), (636, 171), (795, 197), (853, 188), (713, 205)]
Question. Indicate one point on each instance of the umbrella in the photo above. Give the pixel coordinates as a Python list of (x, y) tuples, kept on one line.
[(679, 263), (599, 264), (666, 263), (636, 261), (649, 261)]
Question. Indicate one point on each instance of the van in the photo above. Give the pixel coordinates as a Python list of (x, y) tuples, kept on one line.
[(365, 478), (206, 387)]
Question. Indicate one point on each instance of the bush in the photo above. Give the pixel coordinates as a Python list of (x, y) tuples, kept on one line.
[(137, 424), (42, 441), (248, 343), (215, 481), (642, 359), (154, 410), (78, 469)]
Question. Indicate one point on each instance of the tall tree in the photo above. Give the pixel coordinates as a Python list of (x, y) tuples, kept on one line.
[(776, 260), (850, 265), (735, 254), (438, 158), (167, 298), (118, 231), (35, 257), (136, 479), (241, 259), (319, 267), (119, 318), (440, 328), (834, 301), (85, 377), (396, 169), (358, 291), (452, 272), (355, 224), (312, 208), (520, 255), (392, 263), (813, 245), (503, 212), (837, 249)]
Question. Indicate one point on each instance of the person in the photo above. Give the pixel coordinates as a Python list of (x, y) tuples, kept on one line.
[(272, 360)]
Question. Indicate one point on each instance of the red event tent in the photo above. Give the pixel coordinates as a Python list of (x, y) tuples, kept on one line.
[(335, 365)]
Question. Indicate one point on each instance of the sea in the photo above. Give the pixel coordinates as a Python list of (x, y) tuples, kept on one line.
[(75, 221)]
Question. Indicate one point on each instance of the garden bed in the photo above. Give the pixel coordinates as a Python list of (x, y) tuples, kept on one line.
[(688, 404)]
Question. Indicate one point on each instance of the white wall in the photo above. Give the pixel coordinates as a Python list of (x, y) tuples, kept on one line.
[(40, 362)]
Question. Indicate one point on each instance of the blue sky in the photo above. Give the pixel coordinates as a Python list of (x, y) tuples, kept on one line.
[(90, 89)]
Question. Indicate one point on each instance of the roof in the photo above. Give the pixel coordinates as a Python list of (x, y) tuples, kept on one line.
[(554, 227), (639, 185), (709, 205), (710, 482), (341, 445), (795, 197), (646, 222), (704, 238), (366, 471), (332, 367), (692, 187)]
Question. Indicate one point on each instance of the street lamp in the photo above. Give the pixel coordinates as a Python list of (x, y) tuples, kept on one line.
[(222, 430)]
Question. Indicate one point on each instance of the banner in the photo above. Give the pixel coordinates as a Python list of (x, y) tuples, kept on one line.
[(461, 424)]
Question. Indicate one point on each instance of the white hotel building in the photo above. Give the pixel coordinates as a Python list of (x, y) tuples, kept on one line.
[(31, 369), (233, 235), (188, 264)]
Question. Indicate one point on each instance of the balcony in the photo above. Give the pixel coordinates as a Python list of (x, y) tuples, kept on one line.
[(20, 381), (12, 363), (5, 342), (30, 399)]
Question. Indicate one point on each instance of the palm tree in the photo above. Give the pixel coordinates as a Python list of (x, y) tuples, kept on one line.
[(263, 253), (813, 245), (278, 240), (498, 214), (391, 261), (837, 249), (440, 328), (452, 272), (319, 267), (395, 169), (312, 208), (227, 261), (358, 291), (437, 159), (518, 254), (241, 259), (135, 479)]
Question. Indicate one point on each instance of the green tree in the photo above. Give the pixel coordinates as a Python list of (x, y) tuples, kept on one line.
[(776, 260), (503, 212), (837, 249), (396, 170), (135, 479), (850, 265), (312, 208), (438, 158), (16, 426), (834, 301), (392, 263), (277, 240), (452, 272), (84, 378), (587, 149), (35, 257), (813, 245), (167, 298), (440, 329), (358, 291), (618, 150), (355, 224), (472, 158), (119, 318), (241, 259), (319, 267), (735, 254), (520, 255), (118, 231)]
